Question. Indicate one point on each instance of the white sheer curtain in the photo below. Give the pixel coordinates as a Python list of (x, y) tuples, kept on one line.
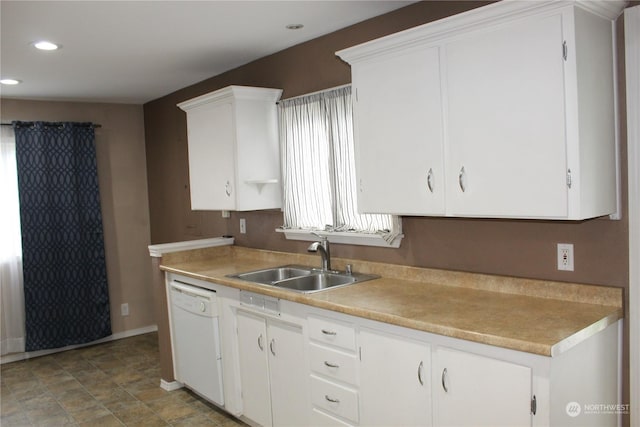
[(12, 327), (318, 166)]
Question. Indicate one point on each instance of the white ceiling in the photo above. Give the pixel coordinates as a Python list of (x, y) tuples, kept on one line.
[(137, 51)]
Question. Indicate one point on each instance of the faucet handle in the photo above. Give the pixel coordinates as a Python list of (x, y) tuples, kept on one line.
[(347, 269)]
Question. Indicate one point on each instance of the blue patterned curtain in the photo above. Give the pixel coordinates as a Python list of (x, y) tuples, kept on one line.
[(65, 279)]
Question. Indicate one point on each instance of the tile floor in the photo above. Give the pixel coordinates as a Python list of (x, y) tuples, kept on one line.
[(111, 384)]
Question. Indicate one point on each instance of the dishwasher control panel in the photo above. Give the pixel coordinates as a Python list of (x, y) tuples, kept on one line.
[(261, 302), (194, 300)]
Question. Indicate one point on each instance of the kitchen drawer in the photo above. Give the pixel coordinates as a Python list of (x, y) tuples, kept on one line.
[(334, 363), (321, 419), (334, 398), (332, 332)]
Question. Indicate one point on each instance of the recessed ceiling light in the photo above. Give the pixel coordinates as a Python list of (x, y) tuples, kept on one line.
[(294, 26), (46, 45), (10, 81)]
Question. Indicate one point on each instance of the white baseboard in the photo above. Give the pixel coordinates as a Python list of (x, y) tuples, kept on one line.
[(14, 357), (170, 386)]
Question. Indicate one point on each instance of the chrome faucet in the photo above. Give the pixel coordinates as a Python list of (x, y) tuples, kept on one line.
[(323, 247)]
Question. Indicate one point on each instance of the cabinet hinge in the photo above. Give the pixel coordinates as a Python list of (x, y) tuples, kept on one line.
[(534, 405), (569, 178), (564, 50)]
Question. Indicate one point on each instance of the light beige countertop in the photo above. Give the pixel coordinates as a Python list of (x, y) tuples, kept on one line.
[(534, 316)]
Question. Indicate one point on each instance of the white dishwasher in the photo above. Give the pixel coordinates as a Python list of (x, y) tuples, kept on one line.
[(195, 338)]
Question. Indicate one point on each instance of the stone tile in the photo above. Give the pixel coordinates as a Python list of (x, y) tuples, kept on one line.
[(152, 421), (74, 400), (113, 384), (105, 421), (133, 412), (53, 414), (63, 386), (18, 419), (114, 397), (171, 408), (38, 401), (96, 411), (196, 420)]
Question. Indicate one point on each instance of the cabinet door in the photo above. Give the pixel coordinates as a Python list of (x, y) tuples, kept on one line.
[(398, 133), (395, 384), (476, 391), (289, 385), (211, 157), (505, 115), (253, 346)]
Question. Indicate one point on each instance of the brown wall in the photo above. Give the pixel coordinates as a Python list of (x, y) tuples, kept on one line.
[(123, 194), (521, 248), (507, 247)]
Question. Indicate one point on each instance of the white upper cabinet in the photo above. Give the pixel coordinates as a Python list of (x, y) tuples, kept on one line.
[(398, 129), (506, 121), (505, 111), (234, 159)]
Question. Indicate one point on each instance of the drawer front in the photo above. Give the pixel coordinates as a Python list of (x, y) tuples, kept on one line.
[(334, 364), (320, 419), (334, 398), (331, 332)]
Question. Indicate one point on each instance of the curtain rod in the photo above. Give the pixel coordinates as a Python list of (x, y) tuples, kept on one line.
[(316, 92), (11, 124)]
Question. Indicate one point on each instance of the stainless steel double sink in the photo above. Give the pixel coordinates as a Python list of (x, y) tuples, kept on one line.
[(301, 278)]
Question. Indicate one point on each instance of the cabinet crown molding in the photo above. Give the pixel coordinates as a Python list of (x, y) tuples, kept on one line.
[(232, 93), (461, 23)]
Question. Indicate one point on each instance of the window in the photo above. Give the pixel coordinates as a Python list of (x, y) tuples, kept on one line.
[(318, 170)]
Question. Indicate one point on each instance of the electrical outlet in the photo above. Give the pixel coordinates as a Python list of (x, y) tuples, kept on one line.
[(565, 256), (124, 309), (243, 226)]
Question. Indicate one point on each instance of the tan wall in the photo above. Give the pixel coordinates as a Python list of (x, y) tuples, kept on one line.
[(123, 193)]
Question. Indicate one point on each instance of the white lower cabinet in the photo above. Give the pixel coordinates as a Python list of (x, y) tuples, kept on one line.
[(333, 364), (304, 366), (395, 386), (272, 371), (475, 391)]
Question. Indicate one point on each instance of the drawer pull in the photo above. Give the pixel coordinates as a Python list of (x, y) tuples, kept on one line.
[(331, 400), (330, 365), (420, 366), (326, 332)]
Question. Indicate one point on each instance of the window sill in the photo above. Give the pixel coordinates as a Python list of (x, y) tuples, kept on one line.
[(343, 237)]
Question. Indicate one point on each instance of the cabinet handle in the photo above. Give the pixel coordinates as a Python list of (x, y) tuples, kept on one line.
[(227, 188), (444, 380), (260, 345), (271, 347), (326, 396), (420, 367), (326, 332), (330, 365), (430, 180), (461, 179)]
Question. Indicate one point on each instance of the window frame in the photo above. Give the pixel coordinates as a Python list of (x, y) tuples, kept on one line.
[(390, 239)]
